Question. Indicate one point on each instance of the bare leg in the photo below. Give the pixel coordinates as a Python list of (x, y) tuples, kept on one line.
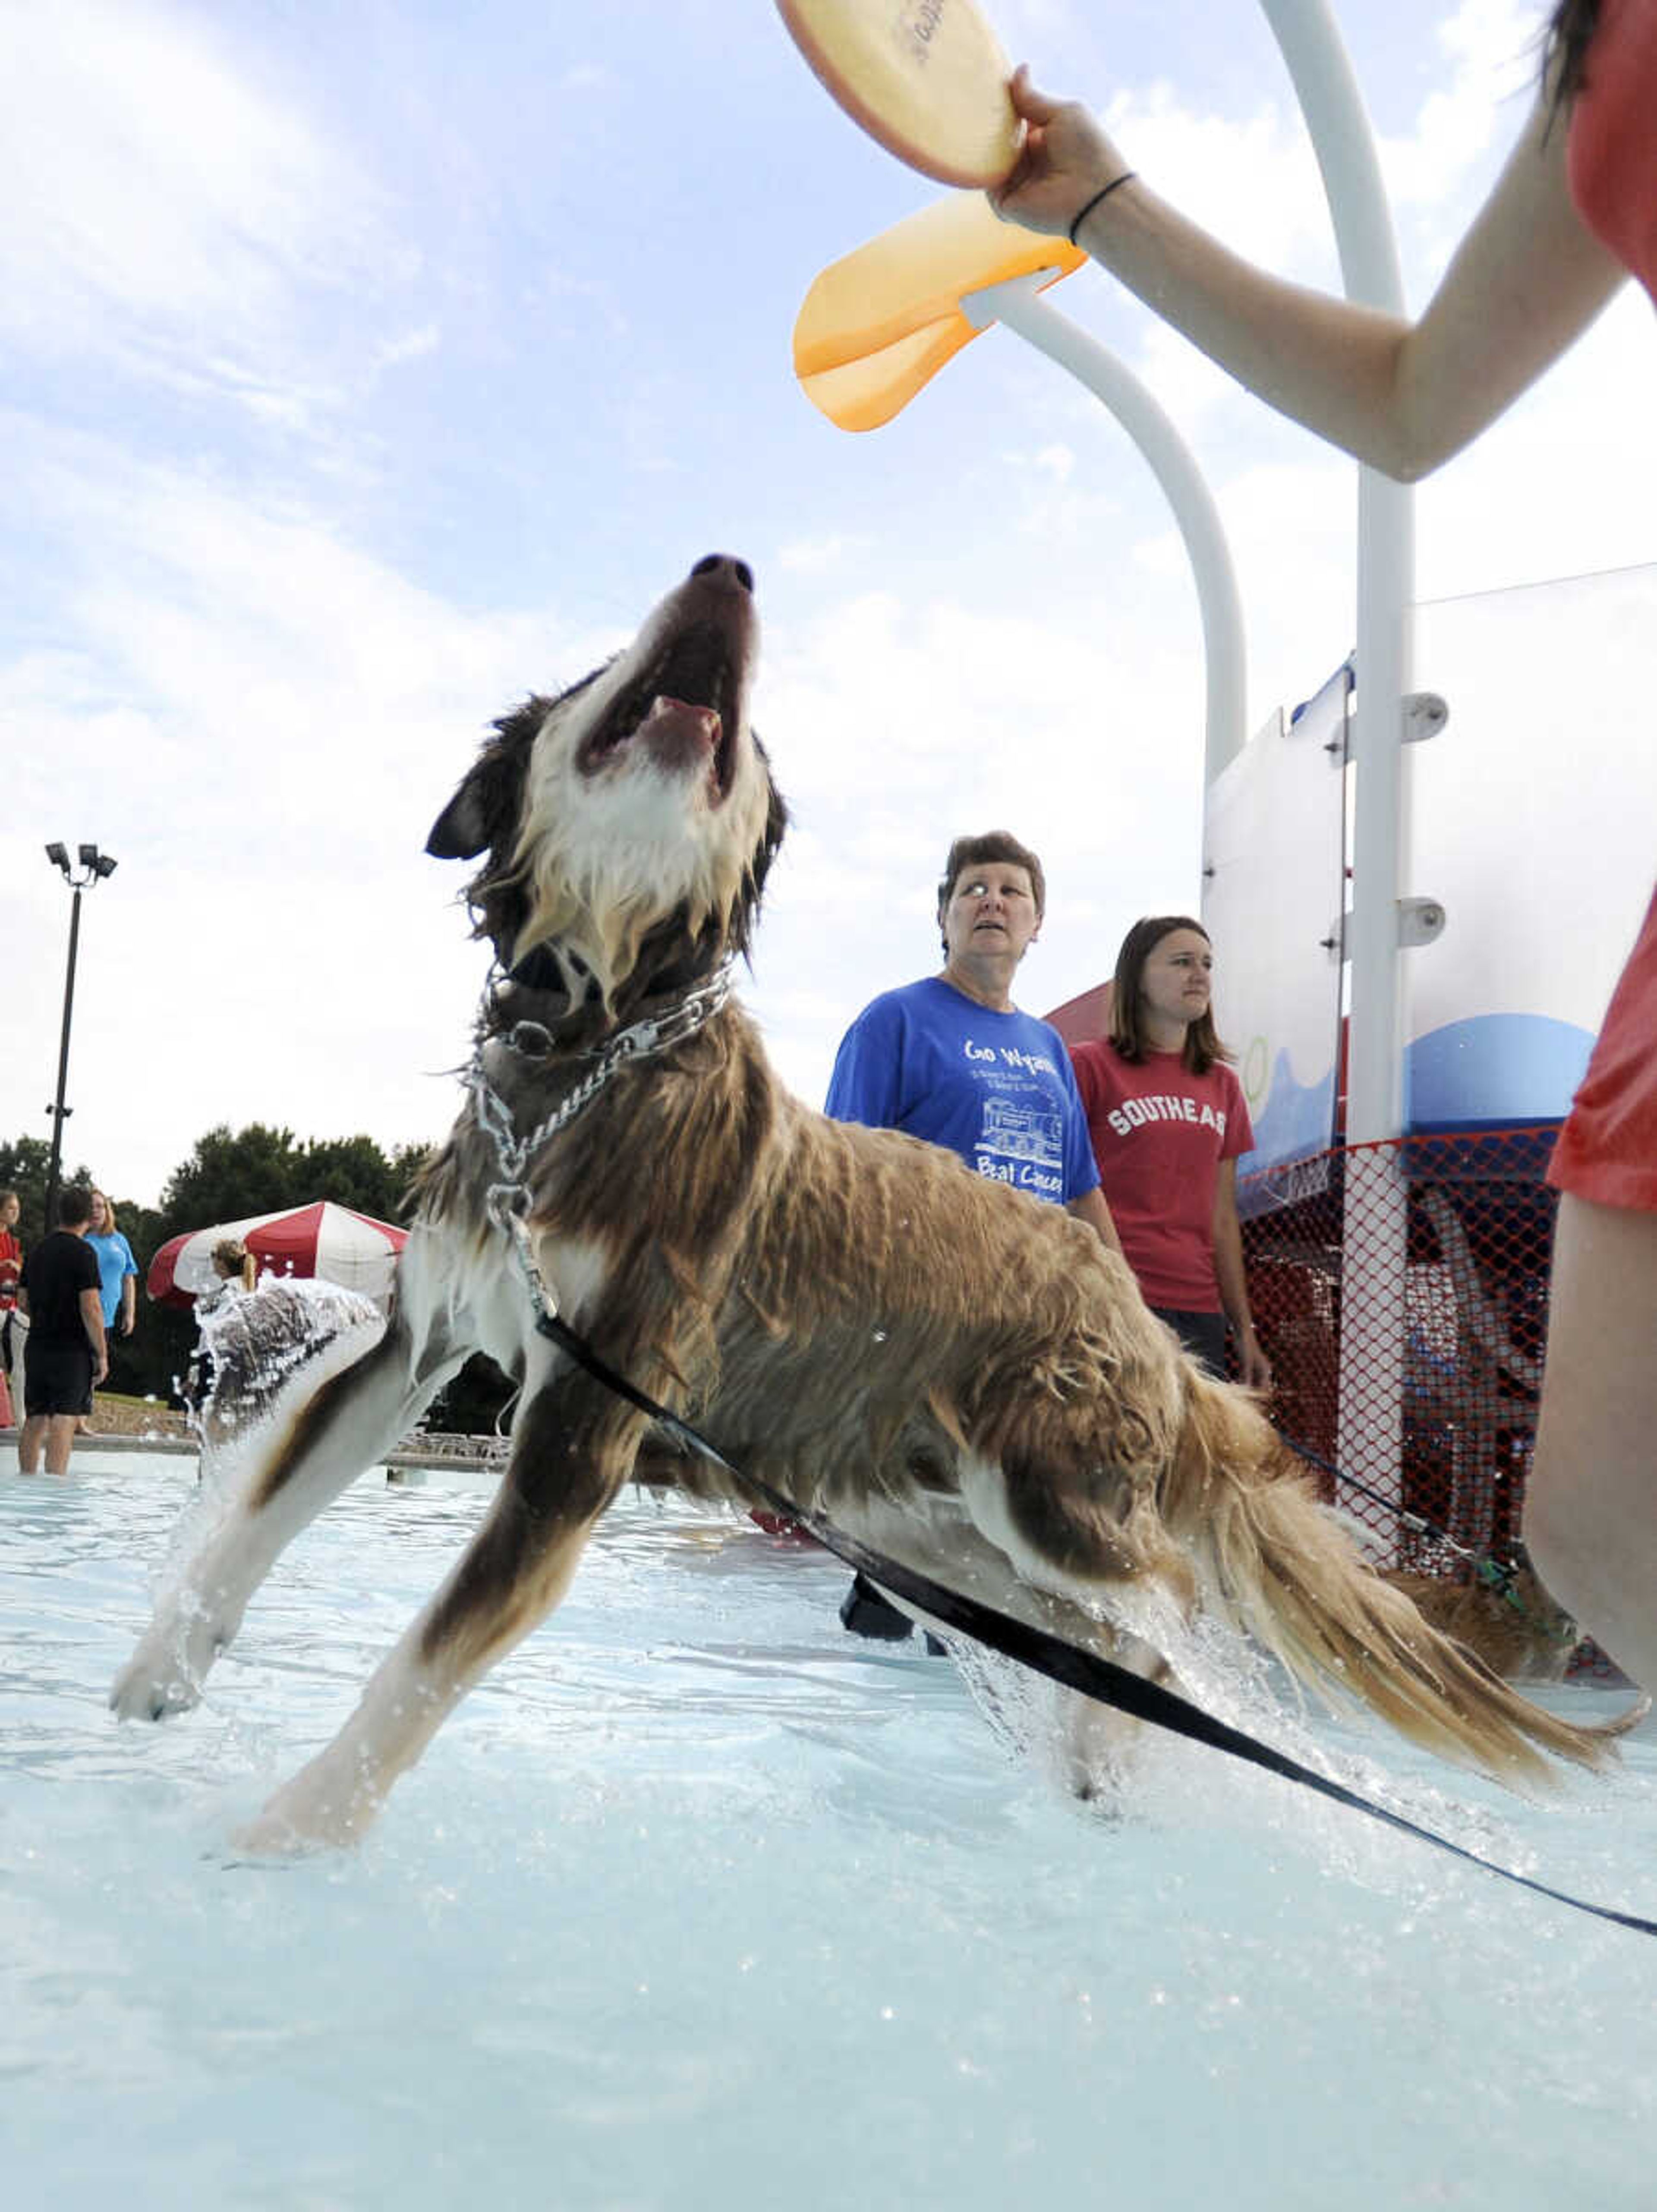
[(30, 1437), (1591, 1509), (60, 1443)]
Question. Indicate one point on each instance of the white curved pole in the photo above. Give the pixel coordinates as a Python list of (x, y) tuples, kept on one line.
[(1016, 304)]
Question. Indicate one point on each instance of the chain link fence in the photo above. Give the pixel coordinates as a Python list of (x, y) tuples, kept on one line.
[(1437, 1420)]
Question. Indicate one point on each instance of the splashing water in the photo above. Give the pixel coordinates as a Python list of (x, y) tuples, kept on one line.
[(254, 1344), (262, 1355)]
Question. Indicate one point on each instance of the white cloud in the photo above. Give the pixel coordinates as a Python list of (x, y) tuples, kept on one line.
[(1057, 462), (1251, 179), (171, 222), (814, 555), (1435, 173), (413, 345), (896, 726), (260, 723)]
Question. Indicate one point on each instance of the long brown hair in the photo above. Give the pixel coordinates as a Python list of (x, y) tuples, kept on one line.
[(1202, 1045)]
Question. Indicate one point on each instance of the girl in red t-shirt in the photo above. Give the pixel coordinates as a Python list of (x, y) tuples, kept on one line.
[(11, 1261), (1168, 1120)]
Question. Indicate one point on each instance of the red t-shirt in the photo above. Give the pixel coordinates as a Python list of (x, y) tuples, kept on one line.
[(1159, 1134), (1612, 154), (1607, 1151), (11, 1261)]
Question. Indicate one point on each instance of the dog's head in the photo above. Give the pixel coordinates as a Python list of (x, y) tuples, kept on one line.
[(630, 822), (1547, 1633)]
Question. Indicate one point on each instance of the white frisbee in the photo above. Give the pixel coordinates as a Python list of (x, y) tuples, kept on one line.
[(926, 78)]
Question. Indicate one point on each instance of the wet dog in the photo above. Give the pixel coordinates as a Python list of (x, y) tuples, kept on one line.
[(964, 1378), (1502, 1613)]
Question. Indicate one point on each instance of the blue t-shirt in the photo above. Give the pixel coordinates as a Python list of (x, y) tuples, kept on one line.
[(115, 1264), (996, 1089)]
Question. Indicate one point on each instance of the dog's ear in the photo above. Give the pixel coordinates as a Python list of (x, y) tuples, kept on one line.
[(485, 807), (776, 824), (759, 866), (461, 830)]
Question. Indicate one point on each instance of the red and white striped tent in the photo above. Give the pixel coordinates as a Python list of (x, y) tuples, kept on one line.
[(330, 1241)]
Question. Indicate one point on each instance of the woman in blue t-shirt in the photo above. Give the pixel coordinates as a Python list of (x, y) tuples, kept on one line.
[(118, 1271), (951, 1059)]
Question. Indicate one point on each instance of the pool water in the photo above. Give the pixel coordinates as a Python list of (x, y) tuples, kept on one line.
[(700, 1902)]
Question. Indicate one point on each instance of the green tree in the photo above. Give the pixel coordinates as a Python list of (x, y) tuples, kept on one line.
[(23, 1165), (260, 1169), (229, 1177), (353, 1171)]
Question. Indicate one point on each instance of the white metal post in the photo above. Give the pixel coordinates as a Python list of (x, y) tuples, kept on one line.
[(1372, 1349)]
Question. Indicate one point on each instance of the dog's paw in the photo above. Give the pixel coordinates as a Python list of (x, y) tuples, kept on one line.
[(268, 1837), (144, 1691), (307, 1815), (165, 1675)]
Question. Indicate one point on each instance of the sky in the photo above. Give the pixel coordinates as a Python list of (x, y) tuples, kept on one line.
[(371, 363)]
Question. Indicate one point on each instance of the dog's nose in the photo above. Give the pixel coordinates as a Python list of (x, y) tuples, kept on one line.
[(727, 567)]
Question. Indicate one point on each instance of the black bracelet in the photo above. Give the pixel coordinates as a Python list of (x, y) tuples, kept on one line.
[(1126, 176)]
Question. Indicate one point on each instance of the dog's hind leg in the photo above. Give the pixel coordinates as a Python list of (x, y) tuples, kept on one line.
[(353, 1419), (1084, 1742), (572, 1448)]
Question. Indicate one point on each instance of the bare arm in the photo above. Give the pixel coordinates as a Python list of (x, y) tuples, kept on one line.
[(1526, 280), (1091, 1208), (92, 1320), (129, 1304), (1232, 1278)]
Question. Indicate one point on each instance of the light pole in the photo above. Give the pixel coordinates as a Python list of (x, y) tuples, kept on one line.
[(95, 866)]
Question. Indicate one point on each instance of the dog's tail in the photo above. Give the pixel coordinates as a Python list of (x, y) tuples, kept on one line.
[(1288, 1573)]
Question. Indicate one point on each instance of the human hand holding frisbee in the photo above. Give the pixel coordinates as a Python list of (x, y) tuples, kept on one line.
[(926, 78)]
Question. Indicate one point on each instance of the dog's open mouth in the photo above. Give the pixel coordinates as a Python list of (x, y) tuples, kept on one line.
[(684, 709)]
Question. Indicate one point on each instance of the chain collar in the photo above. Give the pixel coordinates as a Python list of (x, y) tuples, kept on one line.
[(530, 1041)]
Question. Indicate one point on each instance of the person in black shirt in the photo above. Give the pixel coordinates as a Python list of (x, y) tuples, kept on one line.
[(67, 1354)]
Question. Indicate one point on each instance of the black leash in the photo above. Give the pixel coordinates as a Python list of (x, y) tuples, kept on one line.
[(1042, 1652)]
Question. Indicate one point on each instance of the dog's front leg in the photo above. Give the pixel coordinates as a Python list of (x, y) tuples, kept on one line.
[(1096, 1741), (354, 1418), (573, 1449)]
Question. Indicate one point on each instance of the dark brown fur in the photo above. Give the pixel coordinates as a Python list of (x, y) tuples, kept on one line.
[(1522, 1633)]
